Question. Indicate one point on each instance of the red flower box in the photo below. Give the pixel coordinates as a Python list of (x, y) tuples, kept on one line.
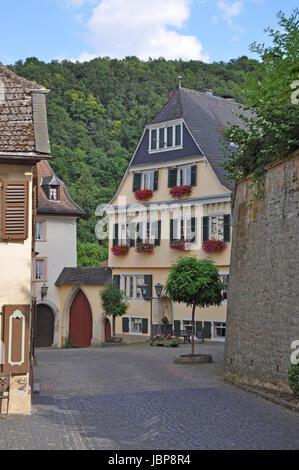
[(181, 191), (120, 250), (179, 244), (209, 246), (144, 248), (143, 194)]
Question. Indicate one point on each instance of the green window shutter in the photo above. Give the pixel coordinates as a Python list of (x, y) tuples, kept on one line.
[(172, 177), (115, 234), (148, 279), (131, 232), (136, 181), (125, 322), (193, 229), (205, 228), (144, 326), (177, 327), (171, 230), (157, 232), (226, 228), (116, 280), (207, 329), (193, 175), (198, 329), (156, 178)]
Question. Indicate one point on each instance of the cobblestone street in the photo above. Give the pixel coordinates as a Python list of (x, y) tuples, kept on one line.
[(135, 397)]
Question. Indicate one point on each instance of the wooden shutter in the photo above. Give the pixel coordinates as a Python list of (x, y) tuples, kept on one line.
[(125, 322), (226, 228), (136, 181), (139, 230), (205, 228), (156, 178), (171, 230), (177, 327), (172, 177), (131, 232), (15, 210), (16, 339), (116, 280), (148, 279), (193, 175), (144, 326), (157, 232), (198, 329), (207, 329), (115, 234)]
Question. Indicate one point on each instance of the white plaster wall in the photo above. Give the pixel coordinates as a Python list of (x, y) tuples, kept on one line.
[(60, 249)]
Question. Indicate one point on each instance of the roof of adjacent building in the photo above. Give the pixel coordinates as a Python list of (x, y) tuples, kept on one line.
[(23, 117), (205, 116), (85, 275), (65, 205)]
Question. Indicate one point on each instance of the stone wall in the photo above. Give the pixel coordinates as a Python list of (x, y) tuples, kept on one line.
[(263, 315)]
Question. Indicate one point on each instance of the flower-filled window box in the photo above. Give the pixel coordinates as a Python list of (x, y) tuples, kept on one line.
[(144, 248), (181, 245), (166, 341), (210, 246), (143, 194), (120, 250), (181, 191)]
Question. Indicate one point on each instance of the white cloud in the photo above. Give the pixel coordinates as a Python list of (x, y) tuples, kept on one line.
[(77, 3), (229, 10), (120, 28)]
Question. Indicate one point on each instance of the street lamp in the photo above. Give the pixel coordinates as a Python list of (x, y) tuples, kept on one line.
[(44, 290), (144, 290)]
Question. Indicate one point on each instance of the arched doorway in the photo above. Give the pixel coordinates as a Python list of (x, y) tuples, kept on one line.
[(44, 326), (80, 321), (107, 329)]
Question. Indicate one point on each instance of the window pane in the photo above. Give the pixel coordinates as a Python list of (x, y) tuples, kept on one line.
[(148, 181), (169, 136), (39, 269), (39, 231), (161, 138), (178, 137), (188, 175), (153, 139)]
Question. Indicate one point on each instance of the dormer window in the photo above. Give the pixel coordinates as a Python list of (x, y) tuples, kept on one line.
[(54, 193), (166, 137)]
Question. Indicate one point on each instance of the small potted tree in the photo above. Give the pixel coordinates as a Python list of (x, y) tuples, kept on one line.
[(113, 304), (195, 282)]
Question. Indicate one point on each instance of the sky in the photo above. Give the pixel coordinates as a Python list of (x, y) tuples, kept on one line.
[(207, 30)]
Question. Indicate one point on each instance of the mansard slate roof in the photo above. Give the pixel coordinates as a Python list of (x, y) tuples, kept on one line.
[(86, 275), (65, 205), (23, 118), (205, 116)]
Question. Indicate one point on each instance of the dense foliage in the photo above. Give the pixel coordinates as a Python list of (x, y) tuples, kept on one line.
[(194, 282), (271, 94), (97, 111)]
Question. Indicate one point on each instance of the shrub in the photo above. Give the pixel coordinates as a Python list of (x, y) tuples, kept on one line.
[(293, 377)]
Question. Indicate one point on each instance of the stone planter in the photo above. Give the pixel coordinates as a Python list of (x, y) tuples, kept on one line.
[(193, 359), (169, 343)]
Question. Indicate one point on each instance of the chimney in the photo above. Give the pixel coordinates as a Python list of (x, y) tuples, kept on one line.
[(170, 94)]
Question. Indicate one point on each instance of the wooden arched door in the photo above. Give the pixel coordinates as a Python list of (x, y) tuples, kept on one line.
[(81, 321), (107, 329), (44, 327)]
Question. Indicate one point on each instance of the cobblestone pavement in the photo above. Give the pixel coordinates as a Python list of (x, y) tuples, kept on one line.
[(135, 397)]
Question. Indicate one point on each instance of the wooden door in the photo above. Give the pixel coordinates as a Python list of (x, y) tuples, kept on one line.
[(107, 329), (44, 327), (81, 321)]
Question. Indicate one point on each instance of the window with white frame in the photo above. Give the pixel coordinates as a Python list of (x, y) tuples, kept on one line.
[(184, 176), (39, 270), (39, 231), (187, 326), (166, 137), (219, 329), (54, 193), (147, 180), (184, 229), (130, 285), (225, 280), (217, 227), (136, 325)]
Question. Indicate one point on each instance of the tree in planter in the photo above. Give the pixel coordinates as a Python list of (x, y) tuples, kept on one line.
[(113, 303), (194, 282)]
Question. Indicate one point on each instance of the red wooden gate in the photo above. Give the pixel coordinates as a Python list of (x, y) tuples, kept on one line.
[(81, 321), (107, 329)]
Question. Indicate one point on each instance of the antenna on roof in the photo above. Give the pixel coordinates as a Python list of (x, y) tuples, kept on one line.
[(180, 78)]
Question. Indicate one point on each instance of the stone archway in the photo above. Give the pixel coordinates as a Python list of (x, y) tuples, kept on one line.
[(44, 326)]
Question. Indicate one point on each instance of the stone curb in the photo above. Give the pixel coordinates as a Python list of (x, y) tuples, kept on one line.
[(266, 396)]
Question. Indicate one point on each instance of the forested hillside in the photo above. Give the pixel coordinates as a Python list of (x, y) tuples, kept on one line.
[(97, 111)]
